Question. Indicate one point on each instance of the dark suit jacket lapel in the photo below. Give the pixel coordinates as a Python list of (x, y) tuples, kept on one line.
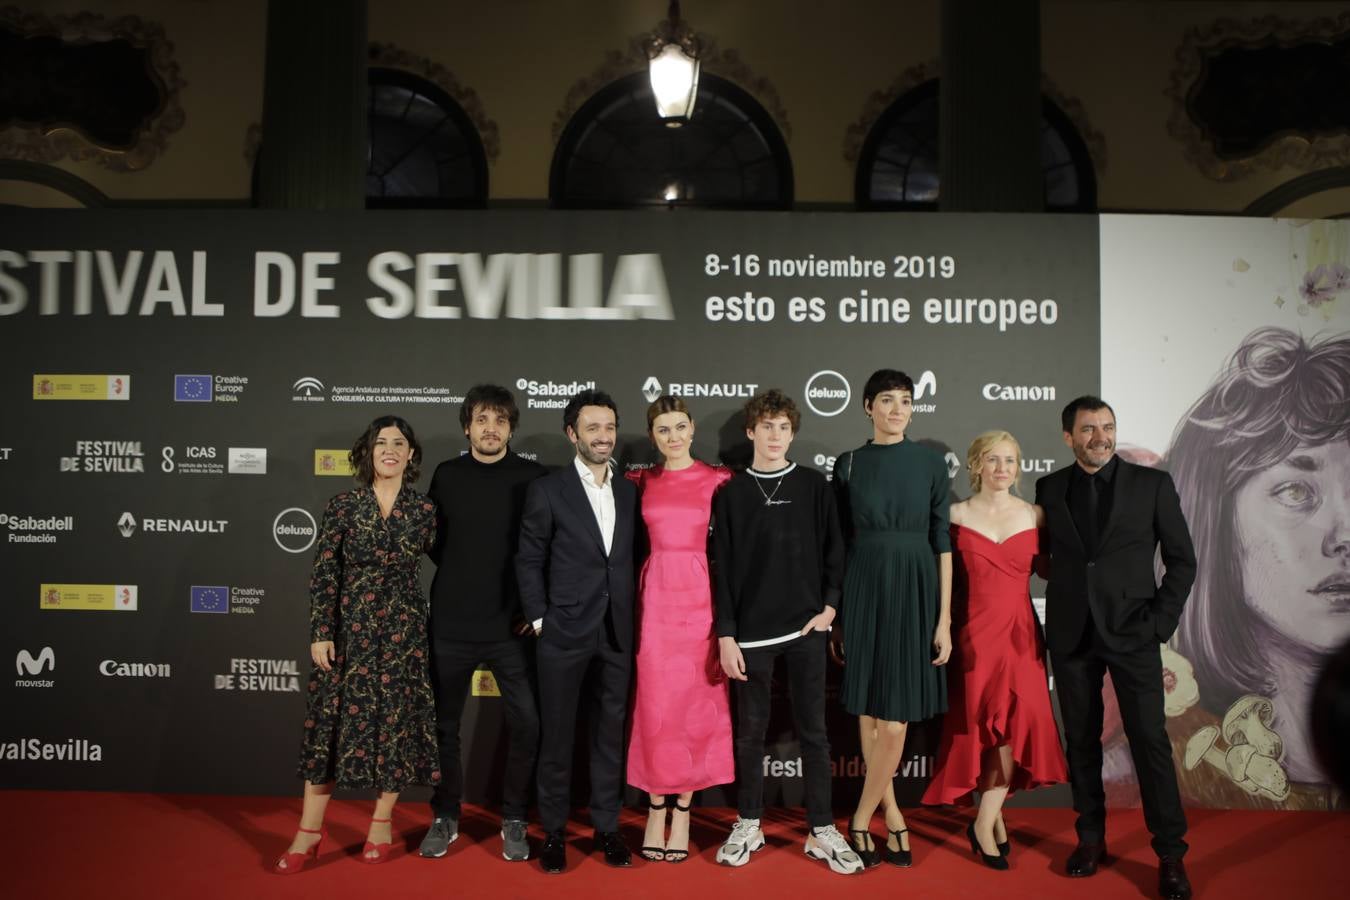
[(575, 492), (1120, 490), (1060, 499)]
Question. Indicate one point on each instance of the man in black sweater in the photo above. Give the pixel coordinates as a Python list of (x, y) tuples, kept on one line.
[(475, 610), (778, 564)]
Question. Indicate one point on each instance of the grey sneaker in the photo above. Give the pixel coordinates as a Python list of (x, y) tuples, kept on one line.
[(515, 845), (443, 832), (828, 844), (745, 838)]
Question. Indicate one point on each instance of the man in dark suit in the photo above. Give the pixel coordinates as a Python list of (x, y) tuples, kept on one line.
[(1105, 611), (574, 568)]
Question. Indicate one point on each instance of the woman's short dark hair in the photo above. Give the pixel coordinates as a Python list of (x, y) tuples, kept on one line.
[(883, 380), (1276, 394), (587, 398), (491, 398), (363, 468), (1087, 403)]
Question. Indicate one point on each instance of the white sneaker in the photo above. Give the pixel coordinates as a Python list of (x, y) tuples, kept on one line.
[(745, 838), (828, 844)]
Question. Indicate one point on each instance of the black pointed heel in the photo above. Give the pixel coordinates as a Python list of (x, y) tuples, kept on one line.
[(899, 856), (993, 862)]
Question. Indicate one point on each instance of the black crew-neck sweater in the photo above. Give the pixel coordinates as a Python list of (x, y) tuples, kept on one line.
[(779, 563), (478, 507)]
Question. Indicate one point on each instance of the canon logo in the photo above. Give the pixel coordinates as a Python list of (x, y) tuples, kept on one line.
[(114, 669), (996, 391)]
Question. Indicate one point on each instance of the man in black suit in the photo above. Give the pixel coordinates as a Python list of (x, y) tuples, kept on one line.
[(1106, 611), (574, 568)]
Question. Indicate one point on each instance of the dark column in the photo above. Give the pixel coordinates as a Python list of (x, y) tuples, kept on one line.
[(313, 152), (990, 106)]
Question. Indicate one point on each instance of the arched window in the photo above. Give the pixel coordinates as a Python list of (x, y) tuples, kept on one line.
[(616, 152), (898, 167), (423, 149)]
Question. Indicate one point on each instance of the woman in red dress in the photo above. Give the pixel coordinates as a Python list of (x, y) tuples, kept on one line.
[(999, 734), (681, 737)]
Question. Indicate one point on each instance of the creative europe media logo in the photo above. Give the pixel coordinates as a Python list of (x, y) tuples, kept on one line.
[(208, 388), (225, 599)]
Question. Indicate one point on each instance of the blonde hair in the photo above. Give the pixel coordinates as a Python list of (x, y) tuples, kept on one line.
[(980, 446)]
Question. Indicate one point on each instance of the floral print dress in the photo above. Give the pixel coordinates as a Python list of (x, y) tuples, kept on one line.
[(370, 722)]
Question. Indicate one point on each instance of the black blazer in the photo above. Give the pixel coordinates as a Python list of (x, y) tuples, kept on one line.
[(1130, 608), (564, 575)]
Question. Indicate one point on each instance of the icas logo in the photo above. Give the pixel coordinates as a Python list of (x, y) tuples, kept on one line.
[(294, 530)]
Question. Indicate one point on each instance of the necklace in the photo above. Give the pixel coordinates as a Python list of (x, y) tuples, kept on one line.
[(768, 498)]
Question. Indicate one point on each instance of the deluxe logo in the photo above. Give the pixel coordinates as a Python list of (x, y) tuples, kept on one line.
[(126, 524), (827, 393), (332, 462), (197, 460), (294, 530), (307, 390), (117, 457), (651, 389), (111, 668), (275, 676), (26, 664), (995, 391), (248, 461), (551, 394), (121, 597), (38, 750), (81, 387), (28, 530)]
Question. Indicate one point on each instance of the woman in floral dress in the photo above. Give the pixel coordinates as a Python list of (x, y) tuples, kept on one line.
[(370, 720)]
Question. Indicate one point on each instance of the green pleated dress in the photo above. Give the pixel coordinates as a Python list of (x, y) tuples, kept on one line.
[(893, 499)]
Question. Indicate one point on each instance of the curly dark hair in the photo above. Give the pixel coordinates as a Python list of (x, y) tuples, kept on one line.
[(883, 380), (770, 405), (363, 469), (492, 398)]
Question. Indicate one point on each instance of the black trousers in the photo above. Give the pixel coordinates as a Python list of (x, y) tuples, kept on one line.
[(805, 660), (563, 676), (1137, 676), (452, 667)]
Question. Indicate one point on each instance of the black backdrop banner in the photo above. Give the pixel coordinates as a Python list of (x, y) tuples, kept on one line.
[(181, 389)]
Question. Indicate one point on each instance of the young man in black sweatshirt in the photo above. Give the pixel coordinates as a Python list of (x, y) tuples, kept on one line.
[(475, 611), (778, 563)]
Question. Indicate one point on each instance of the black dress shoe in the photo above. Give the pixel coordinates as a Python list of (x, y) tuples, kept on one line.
[(1084, 859), (1172, 881), (616, 852), (553, 858), (996, 861)]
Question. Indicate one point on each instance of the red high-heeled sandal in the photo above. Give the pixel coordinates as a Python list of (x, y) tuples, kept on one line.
[(294, 863), (382, 851)]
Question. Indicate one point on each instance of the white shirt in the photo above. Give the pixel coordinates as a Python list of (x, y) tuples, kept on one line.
[(601, 497), (602, 500)]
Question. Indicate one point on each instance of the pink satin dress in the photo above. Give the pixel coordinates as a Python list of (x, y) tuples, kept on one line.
[(681, 731)]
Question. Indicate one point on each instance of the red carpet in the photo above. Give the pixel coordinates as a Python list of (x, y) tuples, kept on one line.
[(149, 845)]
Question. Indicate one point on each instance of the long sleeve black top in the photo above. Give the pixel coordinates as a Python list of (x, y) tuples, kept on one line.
[(777, 553), (478, 507)]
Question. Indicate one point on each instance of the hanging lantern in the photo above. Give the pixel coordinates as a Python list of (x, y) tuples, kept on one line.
[(673, 64)]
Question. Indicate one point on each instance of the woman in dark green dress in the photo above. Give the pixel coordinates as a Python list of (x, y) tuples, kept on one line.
[(893, 495), (370, 721)]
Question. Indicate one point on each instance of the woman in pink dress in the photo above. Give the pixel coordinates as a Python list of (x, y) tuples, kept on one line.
[(999, 734), (681, 738)]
